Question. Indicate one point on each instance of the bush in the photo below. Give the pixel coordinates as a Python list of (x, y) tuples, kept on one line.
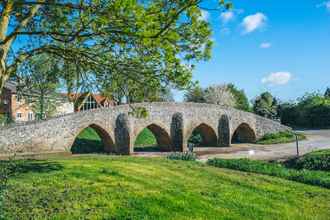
[(318, 160), (189, 156), (317, 178), (280, 137)]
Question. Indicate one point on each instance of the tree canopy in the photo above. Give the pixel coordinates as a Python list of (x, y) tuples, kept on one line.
[(114, 40), (266, 105)]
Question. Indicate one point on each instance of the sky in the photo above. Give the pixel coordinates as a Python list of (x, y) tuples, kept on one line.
[(281, 46)]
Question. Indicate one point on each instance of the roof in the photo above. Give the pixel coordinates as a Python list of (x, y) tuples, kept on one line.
[(98, 97), (10, 85)]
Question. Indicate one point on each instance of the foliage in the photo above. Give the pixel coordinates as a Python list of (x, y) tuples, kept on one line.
[(310, 111), (241, 100), (5, 119), (188, 156), (327, 93), (280, 138), (317, 160), (266, 105), (225, 95), (38, 84), (195, 94), (219, 95), (317, 178), (120, 42), (106, 187), (145, 138), (196, 138)]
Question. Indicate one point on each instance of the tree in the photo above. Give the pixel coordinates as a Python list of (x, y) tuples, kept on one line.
[(219, 95), (327, 93), (241, 99), (195, 94), (142, 37), (38, 85), (266, 105)]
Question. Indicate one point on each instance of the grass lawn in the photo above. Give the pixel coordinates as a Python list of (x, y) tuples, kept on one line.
[(280, 138), (115, 187)]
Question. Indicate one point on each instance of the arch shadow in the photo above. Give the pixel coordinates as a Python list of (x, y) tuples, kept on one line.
[(163, 139), (244, 134), (208, 135), (106, 141)]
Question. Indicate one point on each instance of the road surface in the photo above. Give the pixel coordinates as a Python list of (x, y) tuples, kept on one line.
[(316, 140)]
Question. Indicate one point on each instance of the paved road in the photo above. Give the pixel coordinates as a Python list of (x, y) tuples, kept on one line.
[(316, 139)]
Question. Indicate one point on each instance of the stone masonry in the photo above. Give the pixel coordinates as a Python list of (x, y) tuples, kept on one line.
[(171, 123)]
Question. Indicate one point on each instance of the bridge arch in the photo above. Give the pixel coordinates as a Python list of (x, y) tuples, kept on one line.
[(244, 134), (106, 140), (162, 137), (208, 135)]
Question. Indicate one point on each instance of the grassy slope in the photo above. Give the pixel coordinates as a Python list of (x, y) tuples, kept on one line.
[(280, 138), (103, 187), (145, 138)]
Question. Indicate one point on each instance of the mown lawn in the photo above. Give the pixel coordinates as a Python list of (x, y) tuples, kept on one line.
[(115, 187)]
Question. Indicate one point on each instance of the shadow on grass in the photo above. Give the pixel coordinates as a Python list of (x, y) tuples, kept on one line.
[(26, 166), (147, 149), (85, 146)]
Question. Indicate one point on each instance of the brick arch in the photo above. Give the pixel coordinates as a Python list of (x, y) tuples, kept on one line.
[(208, 134), (162, 136), (243, 134), (106, 139)]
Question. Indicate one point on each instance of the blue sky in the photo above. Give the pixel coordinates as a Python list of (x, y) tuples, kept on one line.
[(281, 46)]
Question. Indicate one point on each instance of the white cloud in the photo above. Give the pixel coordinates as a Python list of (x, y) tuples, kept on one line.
[(204, 15), (265, 45), (278, 78), (254, 22), (325, 5), (227, 16)]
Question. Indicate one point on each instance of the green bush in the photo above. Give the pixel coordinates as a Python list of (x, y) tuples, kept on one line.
[(318, 160), (317, 178), (189, 156), (280, 137)]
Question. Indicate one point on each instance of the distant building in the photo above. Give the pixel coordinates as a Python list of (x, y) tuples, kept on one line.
[(19, 110)]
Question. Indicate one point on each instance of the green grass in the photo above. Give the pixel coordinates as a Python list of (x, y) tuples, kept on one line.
[(88, 141), (109, 187), (317, 178), (280, 138), (317, 160), (145, 138)]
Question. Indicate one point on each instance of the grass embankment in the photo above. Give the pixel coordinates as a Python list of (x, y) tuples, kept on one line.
[(280, 138), (107, 187), (309, 169)]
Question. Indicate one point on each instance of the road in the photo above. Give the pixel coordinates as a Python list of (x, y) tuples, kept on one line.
[(316, 140)]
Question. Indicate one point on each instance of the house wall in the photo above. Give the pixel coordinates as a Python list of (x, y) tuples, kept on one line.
[(20, 107)]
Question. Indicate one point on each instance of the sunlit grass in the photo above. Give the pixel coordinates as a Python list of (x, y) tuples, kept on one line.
[(105, 187)]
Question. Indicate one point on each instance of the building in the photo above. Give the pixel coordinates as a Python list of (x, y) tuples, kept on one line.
[(18, 109)]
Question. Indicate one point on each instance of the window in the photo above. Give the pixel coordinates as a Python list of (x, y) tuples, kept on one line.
[(90, 103), (30, 116), (18, 115)]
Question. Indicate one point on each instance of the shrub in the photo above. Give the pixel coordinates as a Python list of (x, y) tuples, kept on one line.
[(318, 160), (182, 156), (280, 137), (317, 178)]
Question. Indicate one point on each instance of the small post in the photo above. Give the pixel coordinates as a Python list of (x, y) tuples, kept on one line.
[(297, 144)]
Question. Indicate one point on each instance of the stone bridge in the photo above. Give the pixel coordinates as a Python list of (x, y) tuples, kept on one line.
[(171, 123)]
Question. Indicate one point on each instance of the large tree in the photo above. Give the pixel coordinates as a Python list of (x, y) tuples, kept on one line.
[(150, 38), (38, 84), (220, 95), (241, 99), (266, 105)]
